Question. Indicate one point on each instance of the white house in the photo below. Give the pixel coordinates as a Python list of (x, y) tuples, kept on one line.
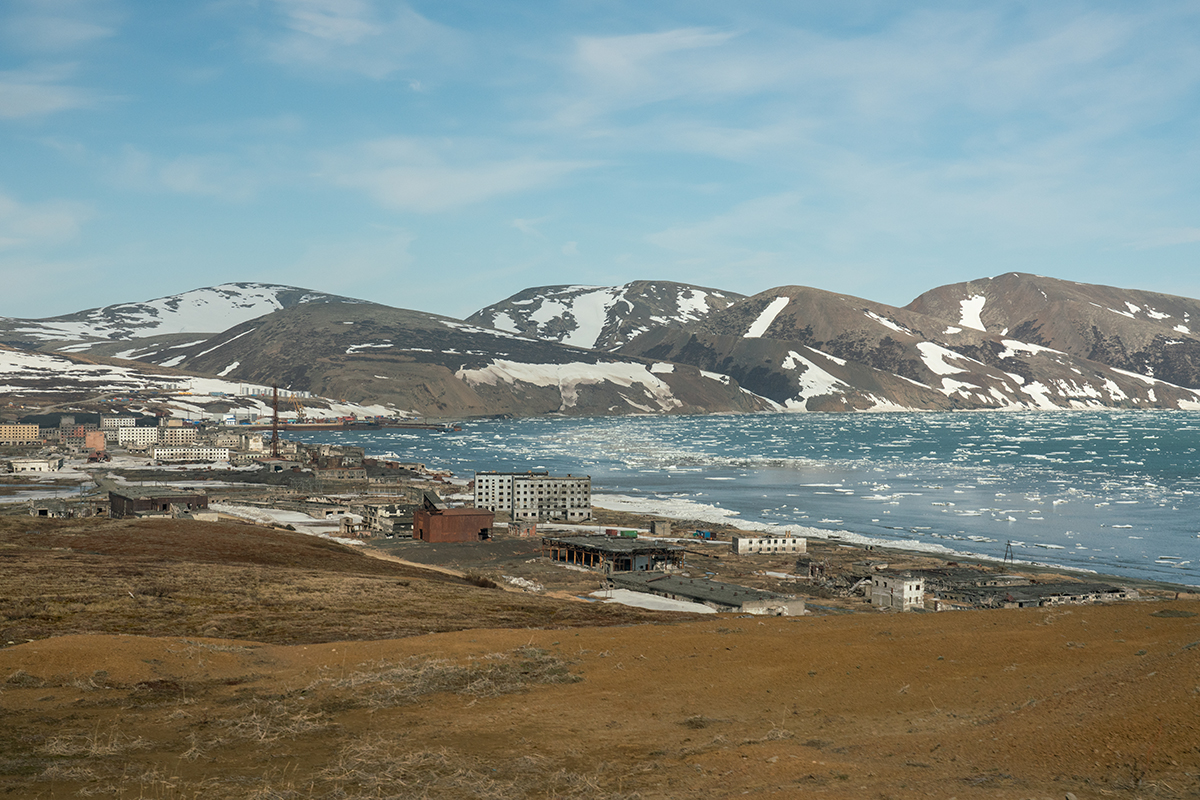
[(769, 544), (902, 592)]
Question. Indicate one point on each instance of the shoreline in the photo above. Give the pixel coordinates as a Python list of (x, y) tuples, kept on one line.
[(732, 521)]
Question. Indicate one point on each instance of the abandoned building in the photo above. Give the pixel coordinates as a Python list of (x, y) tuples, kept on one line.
[(1038, 594), (535, 495), (901, 592), (612, 554), (714, 594), (153, 502), (434, 522), (769, 544)]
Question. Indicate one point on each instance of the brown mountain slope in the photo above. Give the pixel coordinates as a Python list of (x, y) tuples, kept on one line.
[(432, 365), (1138, 331), (809, 349)]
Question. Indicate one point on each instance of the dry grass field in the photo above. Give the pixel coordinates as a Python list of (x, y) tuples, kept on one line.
[(181, 660)]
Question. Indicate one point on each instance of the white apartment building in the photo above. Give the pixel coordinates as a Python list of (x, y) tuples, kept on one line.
[(200, 453), (535, 495), (177, 437), (112, 423), (769, 544), (137, 437), (902, 592)]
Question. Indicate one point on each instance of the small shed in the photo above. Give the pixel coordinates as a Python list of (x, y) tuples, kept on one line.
[(153, 502)]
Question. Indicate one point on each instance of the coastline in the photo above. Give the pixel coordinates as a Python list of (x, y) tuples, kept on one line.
[(729, 522)]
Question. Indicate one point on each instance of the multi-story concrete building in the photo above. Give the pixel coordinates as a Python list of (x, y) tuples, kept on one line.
[(902, 592), (176, 437), (198, 453), (535, 495), (112, 423), (770, 544), (138, 437), (20, 434)]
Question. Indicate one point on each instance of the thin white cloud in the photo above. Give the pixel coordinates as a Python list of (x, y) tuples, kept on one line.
[(50, 223), (55, 26), (218, 176), (413, 175), (38, 92), (362, 36)]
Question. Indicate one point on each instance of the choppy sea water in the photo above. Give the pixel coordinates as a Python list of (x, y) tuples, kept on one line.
[(1113, 491)]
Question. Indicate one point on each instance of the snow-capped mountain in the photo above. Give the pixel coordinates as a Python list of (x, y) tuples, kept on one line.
[(209, 310), (1152, 334), (601, 317), (438, 366), (807, 349)]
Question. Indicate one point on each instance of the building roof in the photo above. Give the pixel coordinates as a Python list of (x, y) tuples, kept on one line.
[(700, 589), (154, 492)]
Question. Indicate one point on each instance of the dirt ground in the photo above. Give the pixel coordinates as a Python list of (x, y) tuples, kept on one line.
[(534, 697)]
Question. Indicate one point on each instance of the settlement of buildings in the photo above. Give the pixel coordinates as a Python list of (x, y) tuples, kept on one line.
[(535, 495), (715, 594)]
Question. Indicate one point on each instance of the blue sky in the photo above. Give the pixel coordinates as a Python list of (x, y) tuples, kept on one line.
[(443, 156)]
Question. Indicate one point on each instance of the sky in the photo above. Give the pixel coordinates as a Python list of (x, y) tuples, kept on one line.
[(443, 156)]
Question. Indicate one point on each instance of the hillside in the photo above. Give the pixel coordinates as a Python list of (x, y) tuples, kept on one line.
[(807, 349), (1143, 332), (209, 310), (390, 682), (432, 365), (601, 317)]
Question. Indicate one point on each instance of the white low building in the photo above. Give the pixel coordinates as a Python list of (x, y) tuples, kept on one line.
[(200, 453), (51, 464), (901, 592), (769, 544)]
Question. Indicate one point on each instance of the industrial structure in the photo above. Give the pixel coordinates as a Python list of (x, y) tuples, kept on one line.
[(434, 522), (535, 495), (612, 554), (155, 502)]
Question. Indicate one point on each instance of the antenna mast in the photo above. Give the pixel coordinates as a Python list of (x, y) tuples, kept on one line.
[(275, 423)]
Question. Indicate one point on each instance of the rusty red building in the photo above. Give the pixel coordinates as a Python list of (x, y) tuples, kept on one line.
[(434, 522)]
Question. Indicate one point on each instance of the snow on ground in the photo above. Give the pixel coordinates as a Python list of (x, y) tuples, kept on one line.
[(568, 378), (814, 381), (972, 307), (303, 523), (887, 323), (628, 597), (768, 315), (935, 357)]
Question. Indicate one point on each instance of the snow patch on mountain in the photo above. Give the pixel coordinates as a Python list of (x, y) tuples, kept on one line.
[(210, 310), (972, 307), (768, 315), (569, 377)]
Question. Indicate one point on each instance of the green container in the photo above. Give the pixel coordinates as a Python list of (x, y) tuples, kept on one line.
[(629, 534)]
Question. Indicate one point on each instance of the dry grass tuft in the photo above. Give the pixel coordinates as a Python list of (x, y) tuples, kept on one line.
[(96, 744), (23, 680), (492, 675)]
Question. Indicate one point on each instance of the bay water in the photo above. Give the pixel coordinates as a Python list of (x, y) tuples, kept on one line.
[(1114, 492)]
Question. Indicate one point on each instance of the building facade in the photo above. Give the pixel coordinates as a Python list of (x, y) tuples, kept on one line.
[(901, 592), (769, 544), (535, 495), (20, 434), (199, 453), (137, 437)]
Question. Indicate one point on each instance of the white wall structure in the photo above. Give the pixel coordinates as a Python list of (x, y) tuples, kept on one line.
[(162, 453), (769, 544), (902, 592), (137, 437), (534, 495), (52, 464)]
